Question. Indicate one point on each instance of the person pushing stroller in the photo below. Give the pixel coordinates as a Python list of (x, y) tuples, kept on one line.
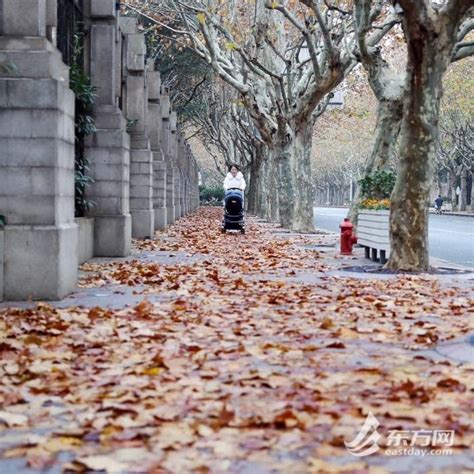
[(234, 179), (234, 187)]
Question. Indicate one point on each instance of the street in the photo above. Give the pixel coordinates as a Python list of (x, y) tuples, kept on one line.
[(451, 237)]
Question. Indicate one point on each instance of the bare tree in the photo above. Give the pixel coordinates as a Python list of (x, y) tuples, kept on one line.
[(455, 153), (434, 33), (292, 55)]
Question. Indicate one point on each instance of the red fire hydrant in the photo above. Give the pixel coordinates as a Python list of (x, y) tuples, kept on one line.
[(348, 238)]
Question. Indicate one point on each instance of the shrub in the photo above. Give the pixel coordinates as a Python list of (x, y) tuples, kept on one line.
[(375, 204), (375, 190), (85, 95), (208, 193), (378, 185)]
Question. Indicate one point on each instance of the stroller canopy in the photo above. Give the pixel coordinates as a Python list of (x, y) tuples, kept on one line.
[(234, 201)]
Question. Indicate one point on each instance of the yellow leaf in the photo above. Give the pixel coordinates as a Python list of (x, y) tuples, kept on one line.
[(153, 371), (201, 18), (231, 46)]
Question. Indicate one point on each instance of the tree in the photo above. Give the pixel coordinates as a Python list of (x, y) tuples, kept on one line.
[(386, 82), (432, 33), (230, 136), (455, 152), (283, 58), (342, 141)]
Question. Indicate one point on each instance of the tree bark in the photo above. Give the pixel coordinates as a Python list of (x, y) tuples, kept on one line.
[(269, 191), (452, 179), (255, 184), (284, 162), (387, 129), (303, 212), (428, 57), (463, 195)]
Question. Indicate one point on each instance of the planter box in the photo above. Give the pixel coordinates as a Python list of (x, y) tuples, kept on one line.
[(85, 240), (373, 234)]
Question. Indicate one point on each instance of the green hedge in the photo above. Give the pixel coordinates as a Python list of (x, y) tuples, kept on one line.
[(210, 193), (378, 185)]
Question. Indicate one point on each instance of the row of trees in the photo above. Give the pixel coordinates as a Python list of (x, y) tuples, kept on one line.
[(282, 59), (344, 139)]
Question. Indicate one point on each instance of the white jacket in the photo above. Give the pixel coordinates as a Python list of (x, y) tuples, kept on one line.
[(237, 182)]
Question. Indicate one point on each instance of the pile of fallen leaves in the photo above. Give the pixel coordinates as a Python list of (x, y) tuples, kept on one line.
[(243, 368)]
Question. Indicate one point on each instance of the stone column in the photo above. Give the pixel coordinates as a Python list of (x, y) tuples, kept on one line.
[(174, 153), (159, 164), (109, 148), (166, 146), (195, 184), (189, 178), (36, 158), (141, 158), (184, 178)]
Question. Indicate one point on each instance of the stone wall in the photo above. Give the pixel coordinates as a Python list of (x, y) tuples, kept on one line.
[(145, 176)]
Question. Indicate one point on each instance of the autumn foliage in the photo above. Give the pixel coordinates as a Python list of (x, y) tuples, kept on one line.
[(248, 353)]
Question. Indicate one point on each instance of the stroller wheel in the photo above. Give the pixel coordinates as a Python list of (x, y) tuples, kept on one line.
[(223, 230), (242, 231)]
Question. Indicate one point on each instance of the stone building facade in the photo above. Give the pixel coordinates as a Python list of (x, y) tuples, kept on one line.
[(144, 174)]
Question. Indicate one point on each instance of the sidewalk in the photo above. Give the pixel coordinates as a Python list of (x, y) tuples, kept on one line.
[(219, 353), (454, 213)]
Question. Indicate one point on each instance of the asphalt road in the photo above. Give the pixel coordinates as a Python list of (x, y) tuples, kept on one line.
[(451, 237)]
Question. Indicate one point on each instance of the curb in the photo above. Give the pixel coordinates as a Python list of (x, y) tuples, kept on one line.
[(459, 214)]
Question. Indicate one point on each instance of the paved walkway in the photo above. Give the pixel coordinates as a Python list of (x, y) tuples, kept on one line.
[(243, 354)]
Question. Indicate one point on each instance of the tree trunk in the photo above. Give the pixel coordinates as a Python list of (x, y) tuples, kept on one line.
[(463, 195), (269, 191), (387, 129), (419, 132), (303, 213), (286, 197), (452, 179), (255, 184)]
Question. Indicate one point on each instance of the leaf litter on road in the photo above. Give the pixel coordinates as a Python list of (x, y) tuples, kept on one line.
[(242, 367)]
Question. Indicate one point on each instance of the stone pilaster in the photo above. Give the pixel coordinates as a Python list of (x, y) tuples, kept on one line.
[(108, 150), (36, 158), (159, 164), (174, 154), (141, 158), (166, 146), (182, 167), (194, 184)]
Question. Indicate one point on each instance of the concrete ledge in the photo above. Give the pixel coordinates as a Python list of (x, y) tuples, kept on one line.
[(40, 262), (143, 226), (170, 215), (160, 218), (103, 9), (85, 239), (113, 236)]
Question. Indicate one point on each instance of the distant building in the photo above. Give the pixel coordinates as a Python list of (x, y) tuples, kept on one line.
[(337, 100)]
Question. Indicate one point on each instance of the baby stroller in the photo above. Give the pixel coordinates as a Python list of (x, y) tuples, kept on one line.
[(233, 210)]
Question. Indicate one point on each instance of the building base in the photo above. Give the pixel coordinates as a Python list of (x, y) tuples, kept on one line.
[(170, 215), (113, 236), (161, 218), (143, 223), (40, 262)]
